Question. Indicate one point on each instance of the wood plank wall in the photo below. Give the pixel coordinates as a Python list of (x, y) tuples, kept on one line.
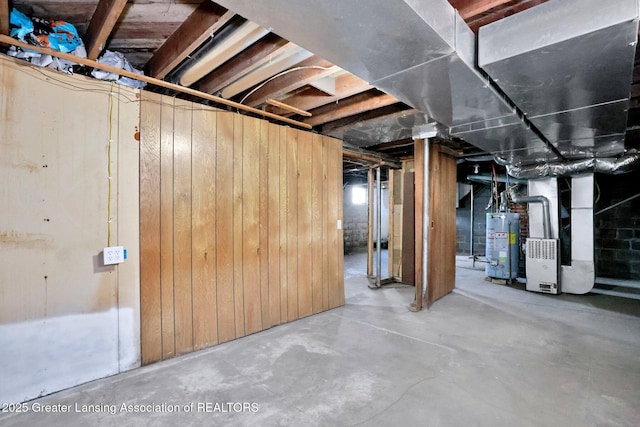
[(238, 226)]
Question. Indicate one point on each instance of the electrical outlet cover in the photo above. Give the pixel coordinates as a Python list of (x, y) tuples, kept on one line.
[(114, 255)]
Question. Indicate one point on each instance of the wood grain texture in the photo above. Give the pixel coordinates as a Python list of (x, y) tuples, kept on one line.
[(150, 302), (102, 23), (317, 270), (273, 207), (442, 228), (336, 253), (305, 291), (167, 109), (370, 208), (203, 225), (292, 224), (224, 227), (284, 226), (263, 224), (182, 186), (250, 225), (238, 235), (246, 225), (391, 241)]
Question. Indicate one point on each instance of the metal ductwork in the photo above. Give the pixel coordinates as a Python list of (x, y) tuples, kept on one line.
[(568, 64), (609, 166), (419, 51), (519, 198)]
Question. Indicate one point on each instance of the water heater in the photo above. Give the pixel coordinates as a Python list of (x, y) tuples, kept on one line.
[(502, 253)]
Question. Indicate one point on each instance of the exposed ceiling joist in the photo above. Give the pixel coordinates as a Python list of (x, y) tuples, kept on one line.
[(346, 85), (475, 22), (371, 157), (198, 27), (243, 63), (4, 17), (313, 68), (101, 25), (357, 104), (339, 127), (471, 8)]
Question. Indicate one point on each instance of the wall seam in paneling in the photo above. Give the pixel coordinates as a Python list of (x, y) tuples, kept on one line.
[(159, 224), (193, 335)]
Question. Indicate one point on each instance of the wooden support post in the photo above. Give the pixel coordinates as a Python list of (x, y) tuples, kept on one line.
[(370, 224), (4, 17)]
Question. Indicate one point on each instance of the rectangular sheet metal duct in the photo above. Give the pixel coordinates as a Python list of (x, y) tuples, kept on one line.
[(419, 51), (567, 64)]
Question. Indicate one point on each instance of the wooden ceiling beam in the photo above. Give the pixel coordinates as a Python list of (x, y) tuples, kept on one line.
[(101, 25), (208, 18), (508, 9), (230, 71), (395, 111), (470, 8), (346, 85), (287, 83), (4, 17), (357, 104)]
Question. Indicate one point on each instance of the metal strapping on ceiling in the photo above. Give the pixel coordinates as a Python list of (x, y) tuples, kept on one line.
[(423, 53), (567, 64)]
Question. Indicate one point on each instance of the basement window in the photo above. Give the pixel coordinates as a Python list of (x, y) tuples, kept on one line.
[(358, 195)]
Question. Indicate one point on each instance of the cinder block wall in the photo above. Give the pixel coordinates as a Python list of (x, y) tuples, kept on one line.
[(617, 233), (355, 221)]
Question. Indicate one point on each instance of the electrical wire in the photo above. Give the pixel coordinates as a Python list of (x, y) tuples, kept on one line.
[(109, 177)]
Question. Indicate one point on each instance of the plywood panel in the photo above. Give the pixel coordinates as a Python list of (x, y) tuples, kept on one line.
[(442, 232), (238, 235), (284, 225), (250, 226), (183, 298), (166, 227), (263, 248), (150, 305), (334, 165), (317, 213), (292, 224), (224, 227), (305, 291), (273, 169), (325, 230), (203, 223), (251, 236), (419, 221)]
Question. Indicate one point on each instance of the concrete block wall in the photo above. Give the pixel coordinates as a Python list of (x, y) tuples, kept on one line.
[(617, 231), (355, 221)]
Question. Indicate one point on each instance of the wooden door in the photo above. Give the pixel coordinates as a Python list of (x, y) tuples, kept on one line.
[(441, 261)]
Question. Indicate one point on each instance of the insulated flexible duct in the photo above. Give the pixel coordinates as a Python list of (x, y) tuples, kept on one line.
[(609, 166)]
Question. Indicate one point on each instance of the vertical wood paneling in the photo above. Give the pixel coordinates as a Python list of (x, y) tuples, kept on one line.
[(245, 224), (203, 223), (284, 226), (273, 169), (325, 226), (224, 227), (150, 303), (292, 224), (183, 298), (316, 260), (250, 226), (238, 290), (166, 227), (263, 249), (334, 163), (305, 290)]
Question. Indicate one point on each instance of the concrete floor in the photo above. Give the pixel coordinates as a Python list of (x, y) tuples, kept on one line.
[(486, 355)]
